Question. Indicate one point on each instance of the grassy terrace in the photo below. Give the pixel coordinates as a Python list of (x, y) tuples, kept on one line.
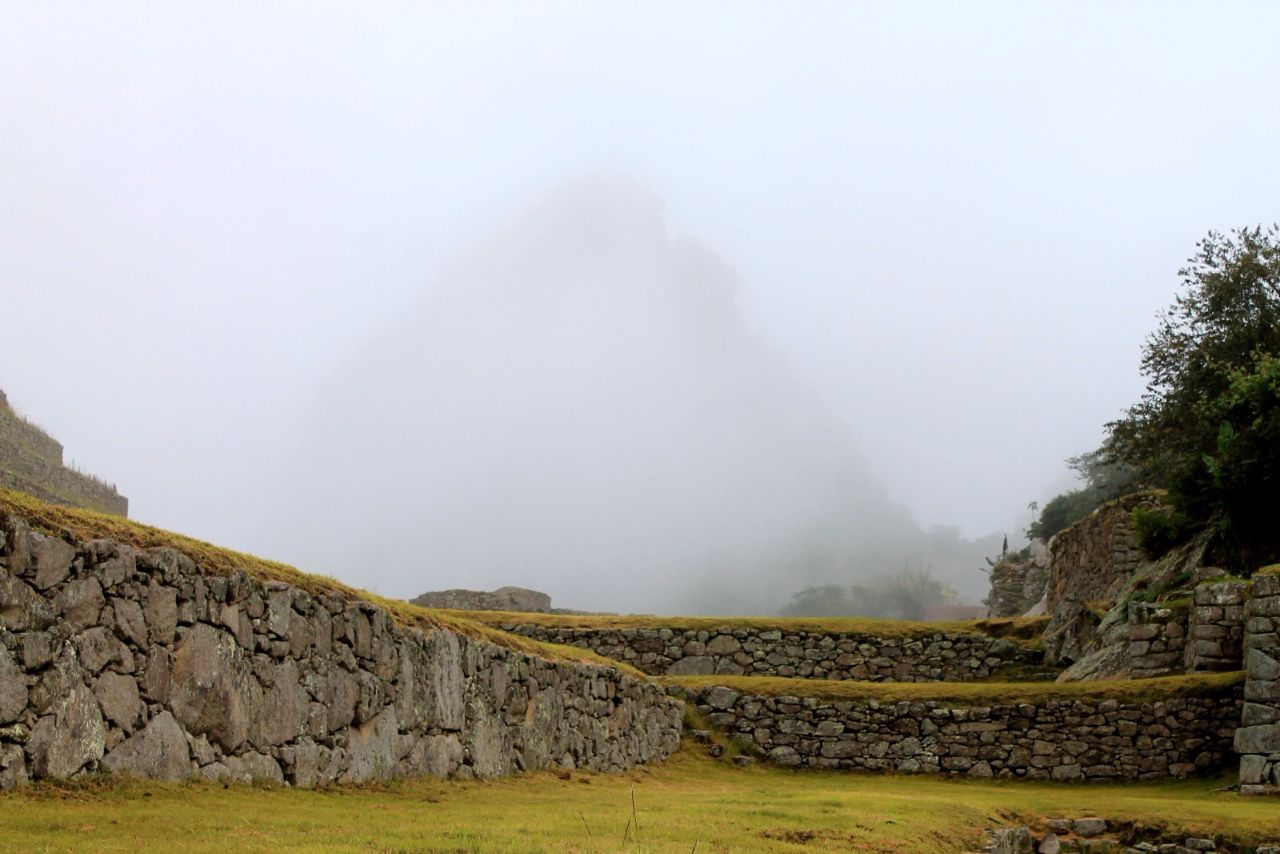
[(970, 693), (685, 801), (55, 519), (1024, 630)]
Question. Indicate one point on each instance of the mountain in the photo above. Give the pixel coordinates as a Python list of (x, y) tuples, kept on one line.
[(577, 405)]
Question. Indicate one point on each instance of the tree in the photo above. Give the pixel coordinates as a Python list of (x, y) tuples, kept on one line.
[(1104, 478), (1206, 426)]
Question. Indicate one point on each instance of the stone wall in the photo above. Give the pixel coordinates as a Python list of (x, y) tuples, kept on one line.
[(1258, 739), (1093, 559), (502, 599), (139, 663), (31, 462), (1058, 740), (1215, 626), (930, 657), (1157, 639), (1018, 582)]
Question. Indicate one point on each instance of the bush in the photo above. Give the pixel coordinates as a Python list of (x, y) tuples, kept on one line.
[(1160, 529)]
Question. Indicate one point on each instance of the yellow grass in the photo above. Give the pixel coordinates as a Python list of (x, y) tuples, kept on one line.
[(686, 801), (971, 693), (55, 519), (1024, 630)]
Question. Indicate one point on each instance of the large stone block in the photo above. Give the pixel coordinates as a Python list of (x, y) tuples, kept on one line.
[(80, 602), (118, 698), (1262, 666), (13, 688), (158, 751), (693, 665), (1258, 739), (53, 559), (213, 691), (69, 739), (21, 608)]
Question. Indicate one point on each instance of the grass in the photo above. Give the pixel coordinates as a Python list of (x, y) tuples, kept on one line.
[(971, 693), (689, 800), (57, 520), (1025, 630)]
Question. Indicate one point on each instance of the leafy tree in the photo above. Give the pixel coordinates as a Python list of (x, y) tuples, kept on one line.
[(1207, 426), (1104, 478)]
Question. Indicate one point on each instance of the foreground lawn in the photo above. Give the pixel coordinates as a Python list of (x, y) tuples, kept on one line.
[(685, 801)]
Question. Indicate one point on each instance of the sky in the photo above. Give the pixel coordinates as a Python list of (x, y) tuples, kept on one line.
[(954, 222)]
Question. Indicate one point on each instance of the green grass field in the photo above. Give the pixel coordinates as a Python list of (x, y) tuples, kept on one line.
[(685, 801)]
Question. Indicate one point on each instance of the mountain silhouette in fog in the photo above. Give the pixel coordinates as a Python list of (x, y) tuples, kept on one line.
[(577, 405)]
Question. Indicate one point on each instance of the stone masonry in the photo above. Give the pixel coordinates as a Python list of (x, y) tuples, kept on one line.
[(931, 656), (1215, 626), (1057, 740), (1258, 739), (140, 663), (1093, 559), (1157, 639), (31, 462)]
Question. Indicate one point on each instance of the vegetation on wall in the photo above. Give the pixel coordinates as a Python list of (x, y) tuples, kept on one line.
[(1208, 425)]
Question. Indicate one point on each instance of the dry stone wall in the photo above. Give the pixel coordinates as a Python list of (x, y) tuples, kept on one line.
[(1215, 626), (1093, 559), (1157, 639), (139, 663), (729, 650), (1258, 739), (1058, 740), (31, 462)]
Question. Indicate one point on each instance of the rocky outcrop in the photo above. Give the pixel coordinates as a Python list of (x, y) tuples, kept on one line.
[(1065, 739), (140, 663), (31, 462), (929, 656), (502, 599), (1018, 581)]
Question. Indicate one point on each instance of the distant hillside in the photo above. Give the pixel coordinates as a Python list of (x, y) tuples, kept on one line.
[(578, 406), (31, 462)]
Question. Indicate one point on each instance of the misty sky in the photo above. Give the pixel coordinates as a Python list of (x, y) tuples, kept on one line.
[(955, 222)]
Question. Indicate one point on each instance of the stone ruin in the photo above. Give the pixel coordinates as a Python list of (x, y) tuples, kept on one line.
[(31, 462), (502, 599), (142, 663)]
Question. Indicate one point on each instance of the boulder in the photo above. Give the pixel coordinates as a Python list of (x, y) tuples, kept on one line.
[(252, 768), (69, 739), (13, 688), (158, 751), (212, 689), (1012, 840)]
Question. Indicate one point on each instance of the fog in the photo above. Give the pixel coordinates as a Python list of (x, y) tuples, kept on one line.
[(650, 306)]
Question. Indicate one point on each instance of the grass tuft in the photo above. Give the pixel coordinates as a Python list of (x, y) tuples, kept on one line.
[(1024, 631), (971, 693)]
